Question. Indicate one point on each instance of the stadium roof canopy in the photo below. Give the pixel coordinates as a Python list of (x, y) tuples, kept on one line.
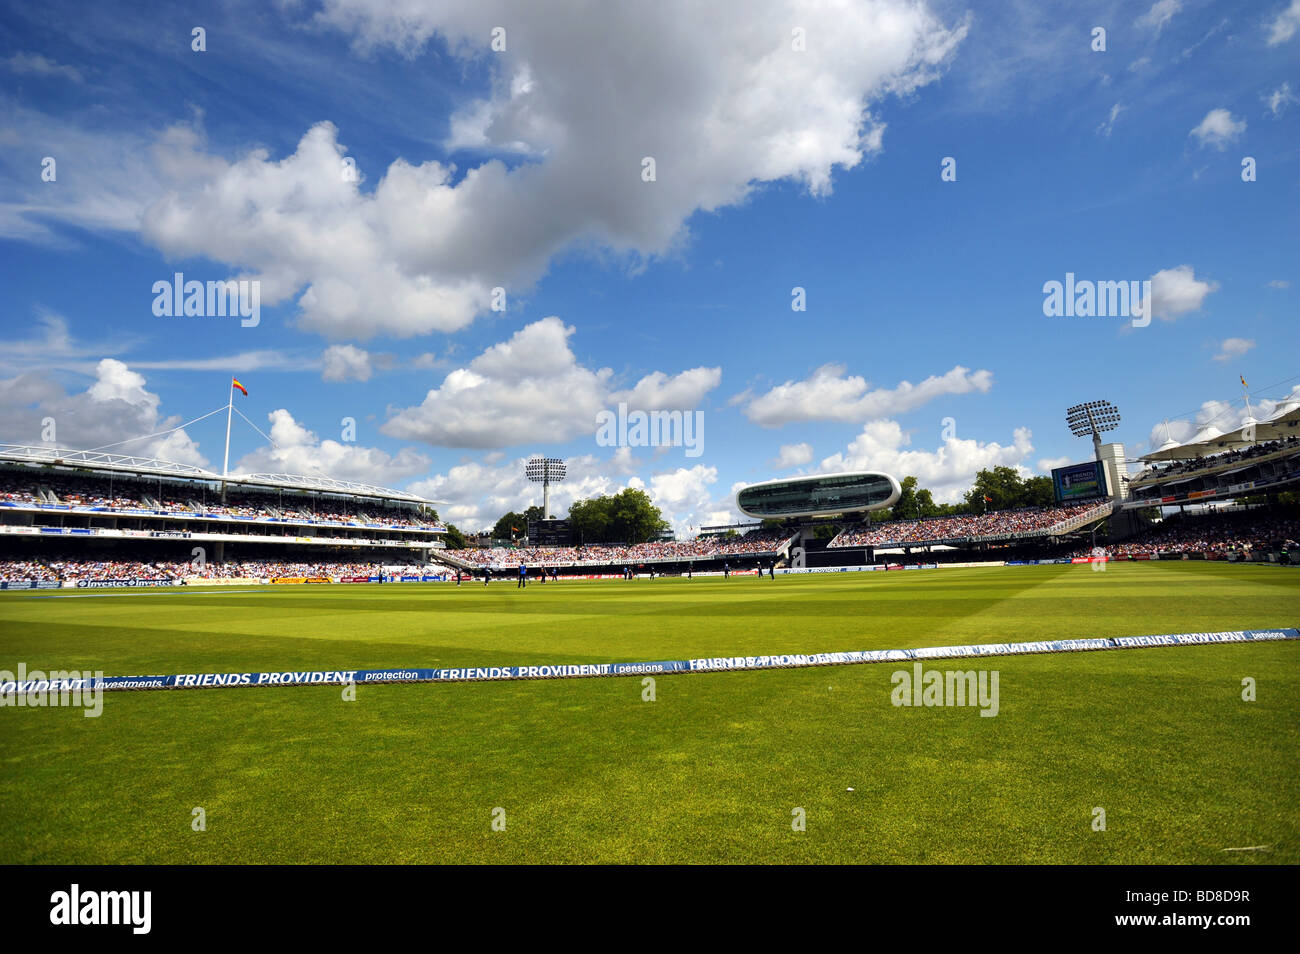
[(1283, 422), (155, 467)]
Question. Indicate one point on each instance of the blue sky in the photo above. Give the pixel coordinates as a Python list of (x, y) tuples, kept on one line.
[(776, 168)]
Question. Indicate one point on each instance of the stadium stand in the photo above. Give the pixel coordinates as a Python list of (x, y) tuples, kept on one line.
[(756, 543), (82, 516), (1231, 533), (969, 528), (1266, 466), (71, 570), (21, 491)]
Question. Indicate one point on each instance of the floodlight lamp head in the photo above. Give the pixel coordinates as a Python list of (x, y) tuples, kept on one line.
[(545, 469), (1092, 417)]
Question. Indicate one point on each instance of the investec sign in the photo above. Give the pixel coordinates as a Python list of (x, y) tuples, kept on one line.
[(102, 584)]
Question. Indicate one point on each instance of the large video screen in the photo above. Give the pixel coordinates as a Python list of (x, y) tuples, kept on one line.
[(1079, 482)]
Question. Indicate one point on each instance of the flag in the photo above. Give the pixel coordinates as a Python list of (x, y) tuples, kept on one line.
[(234, 383), (1243, 383), (988, 499)]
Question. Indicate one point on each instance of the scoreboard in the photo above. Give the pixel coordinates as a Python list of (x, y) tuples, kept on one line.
[(549, 533)]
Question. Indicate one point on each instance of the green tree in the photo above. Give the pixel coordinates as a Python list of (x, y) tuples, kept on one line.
[(905, 506), (913, 502), (454, 539), (626, 517), (515, 524), (998, 489), (925, 503), (1039, 492)]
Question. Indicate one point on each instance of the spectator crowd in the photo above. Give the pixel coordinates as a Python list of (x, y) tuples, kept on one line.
[(1038, 520), (72, 570), (600, 554), (127, 495), (1212, 533), (1162, 472)]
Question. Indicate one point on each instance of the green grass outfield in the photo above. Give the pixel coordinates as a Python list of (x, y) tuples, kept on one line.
[(709, 772)]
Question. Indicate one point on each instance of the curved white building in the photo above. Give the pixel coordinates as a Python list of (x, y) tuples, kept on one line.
[(822, 495)]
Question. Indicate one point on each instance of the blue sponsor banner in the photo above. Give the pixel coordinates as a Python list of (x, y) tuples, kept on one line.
[(31, 585), (663, 667)]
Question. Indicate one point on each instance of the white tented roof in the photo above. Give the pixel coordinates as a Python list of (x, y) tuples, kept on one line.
[(156, 467)]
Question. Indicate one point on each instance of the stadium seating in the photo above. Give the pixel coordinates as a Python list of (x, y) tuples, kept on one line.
[(1019, 523), (132, 496), (1182, 468), (1238, 531), (754, 543)]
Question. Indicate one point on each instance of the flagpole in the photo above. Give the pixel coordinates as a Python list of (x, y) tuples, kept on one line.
[(225, 467)]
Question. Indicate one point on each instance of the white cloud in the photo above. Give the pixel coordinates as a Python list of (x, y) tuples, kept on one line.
[(1108, 125), (116, 178), (429, 361), (1285, 24), (1177, 291), (722, 104), (1218, 129), (54, 347), (532, 389), (947, 471), (478, 492), (296, 450), (345, 363), (242, 361), (1231, 348), (792, 455), (831, 395), (1204, 39), (34, 64), (1047, 464), (1279, 283), (1227, 416), (116, 413), (684, 497), (1280, 98), (680, 392), (1161, 12), (624, 462)]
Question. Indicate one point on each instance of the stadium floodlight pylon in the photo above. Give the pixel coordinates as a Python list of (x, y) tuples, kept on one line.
[(543, 470), (1092, 418)]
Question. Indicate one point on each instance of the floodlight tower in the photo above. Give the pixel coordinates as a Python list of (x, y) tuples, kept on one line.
[(1093, 418), (543, 470)]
